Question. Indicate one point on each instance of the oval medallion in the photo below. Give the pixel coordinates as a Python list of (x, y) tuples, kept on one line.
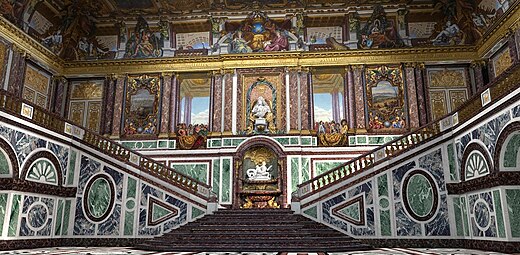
[(99, 198), (420, 195)]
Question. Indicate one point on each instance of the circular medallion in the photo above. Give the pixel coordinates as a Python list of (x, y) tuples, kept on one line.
[(482, 215), (420, 195), (130, 204), (37, 216), (384, 203), (98, 200)]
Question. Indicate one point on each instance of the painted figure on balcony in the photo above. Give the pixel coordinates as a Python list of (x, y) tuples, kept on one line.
[(278, 43)]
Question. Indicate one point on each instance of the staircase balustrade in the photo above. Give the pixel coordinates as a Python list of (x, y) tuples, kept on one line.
[(41, 117), (499, 88)]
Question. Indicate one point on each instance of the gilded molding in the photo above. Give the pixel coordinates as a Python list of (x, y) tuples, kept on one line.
[(492, 37)]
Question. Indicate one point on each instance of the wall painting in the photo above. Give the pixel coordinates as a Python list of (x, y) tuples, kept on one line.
[(142, 105)]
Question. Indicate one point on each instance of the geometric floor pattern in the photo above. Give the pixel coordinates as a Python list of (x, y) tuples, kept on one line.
[(126, 251)]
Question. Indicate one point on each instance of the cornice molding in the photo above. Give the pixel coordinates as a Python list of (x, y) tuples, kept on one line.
[(500, 30)]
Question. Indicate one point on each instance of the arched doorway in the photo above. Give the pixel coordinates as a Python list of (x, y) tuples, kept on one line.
[(260, 175)]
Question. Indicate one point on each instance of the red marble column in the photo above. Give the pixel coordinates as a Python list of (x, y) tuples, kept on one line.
[(108, 105), (421, 94), (413, 110), (58, 102), (228, 98), (295, 111), (476, 68), (513, 48), (305, 94), (350, 98), (118, 105), (174, 102), (216, 102), (165, 103), (359, 88), (17, 73)]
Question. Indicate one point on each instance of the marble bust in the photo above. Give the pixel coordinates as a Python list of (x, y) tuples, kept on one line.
[(261, 108)]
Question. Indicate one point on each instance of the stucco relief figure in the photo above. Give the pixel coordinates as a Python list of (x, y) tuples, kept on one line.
[(239, 44), (259, 173), (261, 117)]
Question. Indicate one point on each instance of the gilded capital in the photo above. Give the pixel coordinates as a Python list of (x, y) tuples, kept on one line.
[(167, 74), (478, 63)]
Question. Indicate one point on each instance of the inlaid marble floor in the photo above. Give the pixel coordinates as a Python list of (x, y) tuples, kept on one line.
[(122, 251)]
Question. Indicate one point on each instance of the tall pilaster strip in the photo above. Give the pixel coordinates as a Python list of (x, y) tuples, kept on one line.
[(351, 98), (108, 104), (165, 102), (412, 96), (17, 72), (217, 102), (118, 105), (174, 102), (359, 87), (228, 107), (421, 94), (305, 94)]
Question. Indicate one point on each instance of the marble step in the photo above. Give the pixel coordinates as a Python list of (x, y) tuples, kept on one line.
[(252, 247)]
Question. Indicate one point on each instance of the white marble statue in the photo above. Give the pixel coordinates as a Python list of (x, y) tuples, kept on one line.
[(259, 173), (261, 108)]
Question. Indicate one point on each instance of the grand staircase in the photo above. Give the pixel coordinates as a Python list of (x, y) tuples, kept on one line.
[(254, 230)]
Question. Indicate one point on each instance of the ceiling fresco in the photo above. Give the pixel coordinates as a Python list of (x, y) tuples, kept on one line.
[(118, 29)]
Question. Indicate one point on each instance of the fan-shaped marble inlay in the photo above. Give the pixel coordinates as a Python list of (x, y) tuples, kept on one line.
[(43, 171), (476, 165)]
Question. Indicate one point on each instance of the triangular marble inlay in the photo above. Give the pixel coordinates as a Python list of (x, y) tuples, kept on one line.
[(159, 211), (352, 211)]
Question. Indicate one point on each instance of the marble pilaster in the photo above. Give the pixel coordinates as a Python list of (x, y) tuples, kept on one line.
[(17, 73), (165, 102), (412, 97), (108, 104), (228, 107), (476, 68), (512, 48), (304, 100), (359, 88), (350, 98), (173, 102), (293, 100), (118, 105), (421, 96), (216, 102), (58, 103)]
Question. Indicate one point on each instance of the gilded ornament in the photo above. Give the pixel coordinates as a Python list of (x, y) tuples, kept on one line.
[(36, 80), (259, 155), (447, 78), (502, 62), (87, 90)]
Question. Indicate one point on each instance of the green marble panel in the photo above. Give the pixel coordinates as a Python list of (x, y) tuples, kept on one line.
[(59, 219), (99, 197), (216, 177), (197, 171), (499, 214), (511, 153), (159, 212), (306, 141), (361, 140), (216, 143), (237, 142), (66, 215), (4, 164), (163, 144), (129, 224), (457, 205), (420, 195), (294, 174), (314, 141), (465, 215), (352, 211), (293, 141), (196, 212), (322, 167), (451, 158), (386, 226), (131, 187), (313, 212), (72, 167), (513, 207), (382, 185), (226, 181), (3, 210), (388, 139), (283, 140), (15, 211), (227, 142), (171, 145), (305, 169), (376, 140), (352, 140)]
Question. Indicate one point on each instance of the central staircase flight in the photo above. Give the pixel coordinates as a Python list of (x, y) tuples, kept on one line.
[(254, 230)]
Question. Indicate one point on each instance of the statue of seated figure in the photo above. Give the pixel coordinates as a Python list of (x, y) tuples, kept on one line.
[(259, 173)]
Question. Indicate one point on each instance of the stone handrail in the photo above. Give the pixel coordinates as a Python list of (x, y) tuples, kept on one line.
[(499, 88), (42, 117)]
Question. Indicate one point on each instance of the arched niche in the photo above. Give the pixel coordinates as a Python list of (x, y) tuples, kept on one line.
[(260, 179), (507, 153)]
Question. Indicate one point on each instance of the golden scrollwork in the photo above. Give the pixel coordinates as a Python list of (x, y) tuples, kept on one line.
[(502, 61), (447, 78), (36, 80), (259, 155), (87, 90)]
